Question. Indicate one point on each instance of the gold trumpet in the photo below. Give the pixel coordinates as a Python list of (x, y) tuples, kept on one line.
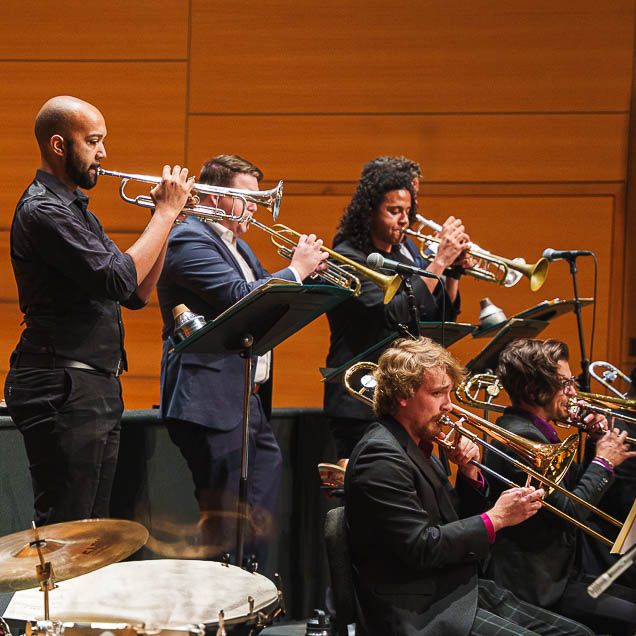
[(550, 461), (269, 199), (489, 267), (468, 393), (339, 270)]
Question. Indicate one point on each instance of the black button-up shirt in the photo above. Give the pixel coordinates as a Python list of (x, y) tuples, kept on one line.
[(71, 277)]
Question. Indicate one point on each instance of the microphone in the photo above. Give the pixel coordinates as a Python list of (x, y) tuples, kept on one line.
[(377, 261), (596, 588), (566, 255)]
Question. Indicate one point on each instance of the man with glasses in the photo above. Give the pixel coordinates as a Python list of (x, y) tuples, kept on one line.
[(539, 558)]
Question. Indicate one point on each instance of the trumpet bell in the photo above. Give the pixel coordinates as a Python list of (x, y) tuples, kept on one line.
[(538, 273)]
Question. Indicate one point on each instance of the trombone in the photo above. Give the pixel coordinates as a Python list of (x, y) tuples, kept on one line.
[(578, 407), (550, 461), (606, 374), (340, 269), (491, 268), (269, 199)]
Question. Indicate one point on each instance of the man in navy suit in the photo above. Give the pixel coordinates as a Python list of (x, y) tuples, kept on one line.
[(209, 267)]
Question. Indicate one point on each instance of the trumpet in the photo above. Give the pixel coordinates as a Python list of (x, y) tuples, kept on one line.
[(550, 461), (489, 267), (606, 374), (339, 270), (585, 403), (578, 407), (269, 199)]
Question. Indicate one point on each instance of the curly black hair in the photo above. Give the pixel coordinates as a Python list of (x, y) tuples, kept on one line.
[(391, 162), (355, 224)]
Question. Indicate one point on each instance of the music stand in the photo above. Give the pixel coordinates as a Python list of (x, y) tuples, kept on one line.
[(515, 328), (446, 333), (545, 310), (449, 332), (257, 323)]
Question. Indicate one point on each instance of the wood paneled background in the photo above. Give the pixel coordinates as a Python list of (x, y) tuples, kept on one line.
[(517, 110)]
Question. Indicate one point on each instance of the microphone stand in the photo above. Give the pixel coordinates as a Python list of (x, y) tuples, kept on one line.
[(584, 377), (413, 328)]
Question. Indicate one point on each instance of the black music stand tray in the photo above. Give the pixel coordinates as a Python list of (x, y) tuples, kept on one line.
[(515, 328), (257, 323), (451, 332), (545, 310)]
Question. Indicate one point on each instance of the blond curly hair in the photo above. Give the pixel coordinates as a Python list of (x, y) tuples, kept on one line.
[(401, 369)]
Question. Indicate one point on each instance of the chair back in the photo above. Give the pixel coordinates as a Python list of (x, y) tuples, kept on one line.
[(339, 558)]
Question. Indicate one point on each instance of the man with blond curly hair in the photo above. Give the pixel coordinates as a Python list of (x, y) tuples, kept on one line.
[(416, 541)]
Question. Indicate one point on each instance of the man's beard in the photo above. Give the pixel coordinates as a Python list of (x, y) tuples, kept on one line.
[(82, 178)]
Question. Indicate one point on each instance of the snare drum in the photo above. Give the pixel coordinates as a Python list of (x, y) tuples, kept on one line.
[(53, 628), (157, 597)]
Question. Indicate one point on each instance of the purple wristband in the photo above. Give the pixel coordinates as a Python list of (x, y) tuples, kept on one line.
[(601, 461), (490, 529)]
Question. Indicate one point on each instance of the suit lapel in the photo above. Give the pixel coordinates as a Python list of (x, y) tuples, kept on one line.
[(246, 252), (225, 250), (432, 472)]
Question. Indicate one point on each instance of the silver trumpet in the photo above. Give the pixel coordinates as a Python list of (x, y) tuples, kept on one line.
[(269, 199)]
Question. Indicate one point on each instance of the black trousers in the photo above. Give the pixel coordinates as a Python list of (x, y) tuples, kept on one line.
[(70, 420), (214, 459), (613, 612)]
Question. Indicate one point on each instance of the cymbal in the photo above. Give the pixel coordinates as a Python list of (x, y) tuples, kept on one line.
[(72, 548)]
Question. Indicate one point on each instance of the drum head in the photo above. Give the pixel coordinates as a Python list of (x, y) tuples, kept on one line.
[(165, 593)]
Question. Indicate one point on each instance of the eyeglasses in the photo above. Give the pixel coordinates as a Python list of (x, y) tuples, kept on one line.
[(568, 383)]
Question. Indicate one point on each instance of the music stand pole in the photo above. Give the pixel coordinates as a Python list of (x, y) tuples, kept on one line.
[(246, 341)]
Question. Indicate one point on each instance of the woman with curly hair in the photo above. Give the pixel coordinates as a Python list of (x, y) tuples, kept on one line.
[(382, 207)]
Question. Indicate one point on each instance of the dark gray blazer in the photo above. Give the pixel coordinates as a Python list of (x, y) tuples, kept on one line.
[(201, 272), (414, 544), (537, 558)]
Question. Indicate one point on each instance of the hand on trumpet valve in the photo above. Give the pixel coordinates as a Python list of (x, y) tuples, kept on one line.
[(453, 242), (613, 447), (515, 505), (308, 257), (172, 192), (594, 423), (591, 422)]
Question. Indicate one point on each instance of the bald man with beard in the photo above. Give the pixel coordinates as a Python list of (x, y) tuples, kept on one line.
[(63, 390)]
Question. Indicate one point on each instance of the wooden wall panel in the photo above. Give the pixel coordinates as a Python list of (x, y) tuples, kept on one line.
[(517, 110), (414, 56), (77, 30), (510, 226), (470, 148), (143, 107)]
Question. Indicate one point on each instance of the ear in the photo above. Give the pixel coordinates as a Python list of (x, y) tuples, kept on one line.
[(58, 145)]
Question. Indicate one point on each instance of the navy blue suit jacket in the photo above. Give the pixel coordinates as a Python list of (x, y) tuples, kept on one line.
[(201, 272)]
